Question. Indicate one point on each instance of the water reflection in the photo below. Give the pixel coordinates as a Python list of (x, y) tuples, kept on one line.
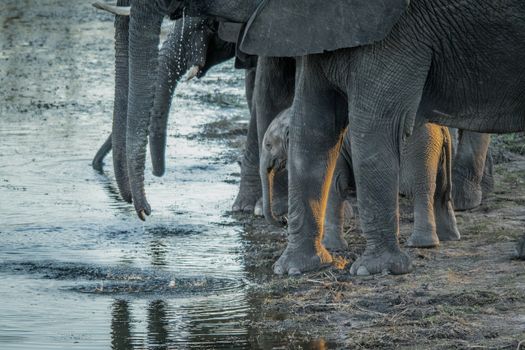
[(121, 326), (157, 325), (176, 325), (209, 323), (158, 251)]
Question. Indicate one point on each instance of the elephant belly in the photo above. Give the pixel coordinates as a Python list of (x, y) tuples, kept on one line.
[(477, 76)]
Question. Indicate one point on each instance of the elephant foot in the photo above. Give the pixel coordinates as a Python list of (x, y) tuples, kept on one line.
[(487, 184), (466, 195), (448, 232), (258, 211), (302, 257), (423, 239), (446, 226), (390, 260), (520, 248), (246, 201), (334, 241)]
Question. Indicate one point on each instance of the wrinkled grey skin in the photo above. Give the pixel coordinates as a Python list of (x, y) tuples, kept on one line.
[(472, 170), (194, 45), (425, 176), (103, 151), (185, 43), (423, 63), (120, 105)]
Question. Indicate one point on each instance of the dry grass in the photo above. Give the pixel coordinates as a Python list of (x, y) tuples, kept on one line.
[(464, 295)]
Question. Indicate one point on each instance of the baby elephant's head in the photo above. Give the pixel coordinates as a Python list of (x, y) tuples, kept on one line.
[(273, 157)]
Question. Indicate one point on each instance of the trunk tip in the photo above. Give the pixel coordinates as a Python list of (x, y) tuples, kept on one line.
[(142, 215), (143, 212), (159, 172)]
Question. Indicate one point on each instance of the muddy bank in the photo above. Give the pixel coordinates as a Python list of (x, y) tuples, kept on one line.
[(466, 294)]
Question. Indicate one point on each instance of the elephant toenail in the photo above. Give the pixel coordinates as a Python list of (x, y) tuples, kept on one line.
[(277, 269), (258, 211), (294, 271), (362, 271)]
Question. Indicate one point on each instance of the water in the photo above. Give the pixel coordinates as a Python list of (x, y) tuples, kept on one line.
[(78, 270)]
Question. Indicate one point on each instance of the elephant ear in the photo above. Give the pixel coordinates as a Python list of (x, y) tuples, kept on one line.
[(289, 28)]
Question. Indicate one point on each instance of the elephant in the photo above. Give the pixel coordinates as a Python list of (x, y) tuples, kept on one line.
[(271, 83), (387, 63), (473, 169), (426, 158), (193, 43)]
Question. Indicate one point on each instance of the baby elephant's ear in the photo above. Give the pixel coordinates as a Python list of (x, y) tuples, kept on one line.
[(288, 28)]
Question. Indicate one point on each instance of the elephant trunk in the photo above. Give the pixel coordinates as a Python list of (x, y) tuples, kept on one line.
[(120, 105), (172, 66), (268, 179), (186, 46), (98, 160), (144, 35)]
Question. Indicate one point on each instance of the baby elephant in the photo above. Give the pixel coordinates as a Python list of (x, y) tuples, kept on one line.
[(425, 176)]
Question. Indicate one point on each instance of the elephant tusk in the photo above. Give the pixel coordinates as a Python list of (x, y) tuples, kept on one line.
[(116, 10), (194, 71)]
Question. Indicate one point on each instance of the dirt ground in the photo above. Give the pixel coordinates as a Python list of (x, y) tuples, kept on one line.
[(466, 295), (463, 295)]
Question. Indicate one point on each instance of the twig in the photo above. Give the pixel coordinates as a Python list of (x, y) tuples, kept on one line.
[(315, 281), (331, 274), (369, 311)]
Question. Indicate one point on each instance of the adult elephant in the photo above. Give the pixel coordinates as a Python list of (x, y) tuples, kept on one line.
[(195, 44), (389, 61), (192, 45)]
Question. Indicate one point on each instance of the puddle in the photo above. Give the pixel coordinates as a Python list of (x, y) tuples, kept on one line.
[(78, 269)]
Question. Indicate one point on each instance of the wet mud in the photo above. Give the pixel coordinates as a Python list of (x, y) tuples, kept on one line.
[(79, 270)]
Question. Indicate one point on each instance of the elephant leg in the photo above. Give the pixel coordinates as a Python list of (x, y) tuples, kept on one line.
[(250, 187), (273, 93), (420, 160), (376, 172), (314, 148), (333, 238), (98, 160), (382, 110), (336, 208), (469, 165)]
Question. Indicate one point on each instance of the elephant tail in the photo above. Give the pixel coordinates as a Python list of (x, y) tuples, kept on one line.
[(446, 166)]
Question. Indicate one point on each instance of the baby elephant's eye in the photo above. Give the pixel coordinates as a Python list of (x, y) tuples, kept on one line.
[(268, 146)]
